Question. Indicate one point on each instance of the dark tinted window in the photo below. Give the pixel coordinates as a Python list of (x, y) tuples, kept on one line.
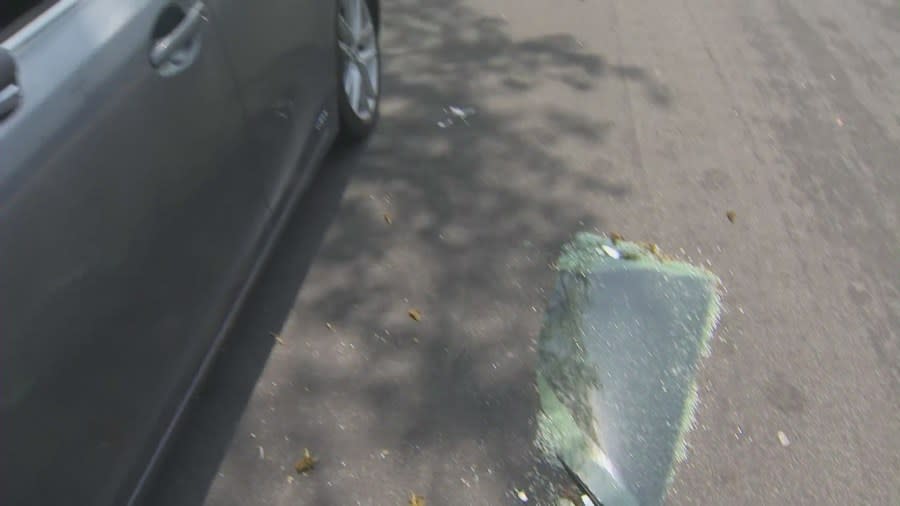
[(15, 14)]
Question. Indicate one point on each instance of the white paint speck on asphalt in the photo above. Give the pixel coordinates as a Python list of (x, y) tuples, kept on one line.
[(783, 439)]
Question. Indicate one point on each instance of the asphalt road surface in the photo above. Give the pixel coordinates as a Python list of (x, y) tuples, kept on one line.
[(650, 118)]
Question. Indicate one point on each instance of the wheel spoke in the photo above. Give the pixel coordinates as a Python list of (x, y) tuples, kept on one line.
[(352, 83), (367, 82), (367, 56), (346, 49), (357, 18), (345, 31), (366, 34), (362, 104)]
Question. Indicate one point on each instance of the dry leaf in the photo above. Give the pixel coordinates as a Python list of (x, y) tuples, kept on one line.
[(731, 215), (388, 219), (416, 500), (572, 497), (415, 314), (307, 463), (616, 237)]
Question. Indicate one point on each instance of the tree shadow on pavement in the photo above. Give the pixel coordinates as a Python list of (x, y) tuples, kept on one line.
[(460, 223)]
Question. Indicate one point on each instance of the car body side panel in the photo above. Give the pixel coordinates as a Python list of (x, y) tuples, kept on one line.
[(283, 55), (128, 221)]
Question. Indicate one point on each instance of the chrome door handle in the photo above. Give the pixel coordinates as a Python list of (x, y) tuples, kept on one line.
[(10, 93), (9, 99), (181, 37)]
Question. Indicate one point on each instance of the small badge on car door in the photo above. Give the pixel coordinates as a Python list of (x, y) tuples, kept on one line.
[(321, 120)]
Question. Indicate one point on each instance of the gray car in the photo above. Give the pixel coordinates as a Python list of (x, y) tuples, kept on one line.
[(150, 151)]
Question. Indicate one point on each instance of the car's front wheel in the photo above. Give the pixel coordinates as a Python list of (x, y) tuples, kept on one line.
[(359, 68)]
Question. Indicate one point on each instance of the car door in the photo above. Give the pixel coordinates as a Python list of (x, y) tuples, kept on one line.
[(284, 59), (128, 219)]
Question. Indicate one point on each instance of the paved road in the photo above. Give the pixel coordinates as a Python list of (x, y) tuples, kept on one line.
[(645, 117)]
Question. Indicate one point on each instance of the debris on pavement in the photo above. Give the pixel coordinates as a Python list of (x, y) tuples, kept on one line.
[(277, 337), (576, 498), (329, 326), (731, 215), (783, 439), (615, 237), (262, 453), (416, 500), (839, 121), (618, 354), (388, 219), (461, 113), (307, 463), (415, 314), (522, 495), (458, 113), (610, 251)]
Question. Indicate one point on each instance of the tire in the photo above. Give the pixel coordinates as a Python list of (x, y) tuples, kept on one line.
[(358, 51)]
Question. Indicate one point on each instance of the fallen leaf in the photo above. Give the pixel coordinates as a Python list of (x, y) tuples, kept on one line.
[(416, 500), (731, 215), (307, 463), (415, 314), (388, 219), (572, 496), (616, 237)]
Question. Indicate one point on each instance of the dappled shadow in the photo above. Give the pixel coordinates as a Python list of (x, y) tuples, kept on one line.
[(198, 449), (461, 223), (479, 209)]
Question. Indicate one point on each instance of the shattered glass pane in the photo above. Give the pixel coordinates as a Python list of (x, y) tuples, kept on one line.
[(616, 368)]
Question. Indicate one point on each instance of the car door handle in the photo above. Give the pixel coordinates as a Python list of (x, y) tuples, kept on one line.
[(182, 36), (10, 93), (9, 99)]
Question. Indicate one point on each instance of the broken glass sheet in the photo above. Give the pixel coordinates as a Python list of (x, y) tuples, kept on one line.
[(616, 369)]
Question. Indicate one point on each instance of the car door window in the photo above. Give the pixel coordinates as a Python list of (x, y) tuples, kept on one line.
[(14, 14)]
